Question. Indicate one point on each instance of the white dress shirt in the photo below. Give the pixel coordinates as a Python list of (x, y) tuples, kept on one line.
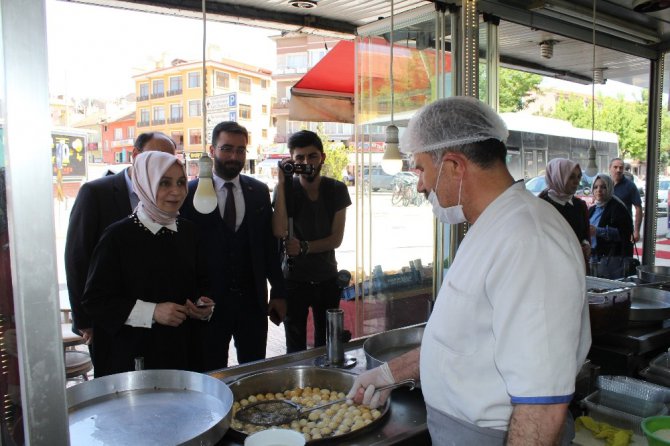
[(222, 194)]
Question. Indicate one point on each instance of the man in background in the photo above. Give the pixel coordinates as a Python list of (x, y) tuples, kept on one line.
[(100, 203), (242, 254), (319, 213), (627, 192)]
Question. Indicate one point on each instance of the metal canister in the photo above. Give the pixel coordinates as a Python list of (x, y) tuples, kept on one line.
[(334, 344)]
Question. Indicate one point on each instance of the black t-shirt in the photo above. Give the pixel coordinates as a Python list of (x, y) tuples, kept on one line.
[(313, 220)]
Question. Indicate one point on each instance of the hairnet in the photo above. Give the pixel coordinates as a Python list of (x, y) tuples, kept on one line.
[(451, 122)]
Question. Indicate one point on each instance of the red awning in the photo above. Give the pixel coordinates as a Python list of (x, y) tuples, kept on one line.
[(326, 92)]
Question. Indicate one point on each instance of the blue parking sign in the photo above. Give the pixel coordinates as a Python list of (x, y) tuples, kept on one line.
[(232, 100)]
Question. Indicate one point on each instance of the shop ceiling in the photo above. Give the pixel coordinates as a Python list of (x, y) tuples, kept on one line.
[(525, 24)]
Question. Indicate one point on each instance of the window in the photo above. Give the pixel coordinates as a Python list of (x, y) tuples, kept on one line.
[(159, 114), (264, 133), (194, 80), (176, 112), (245, 84), (194, 108), (194, 136), (178, 138), (144, 91), (315, 56), (292, 62), (221, 79), (175, 85), (245, 112), (264, 109), (157, 87), (118, 134), (264, 83), (144, 116), (131, 132)]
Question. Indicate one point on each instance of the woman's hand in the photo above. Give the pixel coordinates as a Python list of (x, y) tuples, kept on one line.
[(592, 230), (202, 309), (170, 313)]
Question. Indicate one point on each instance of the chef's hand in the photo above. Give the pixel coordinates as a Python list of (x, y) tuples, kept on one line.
[(363, 390), (277, 310), (292, 247), (87, 335), (202, 309), (170, 313)]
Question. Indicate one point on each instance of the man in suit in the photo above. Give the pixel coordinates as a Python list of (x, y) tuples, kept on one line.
[(242, 254), (100, 203)]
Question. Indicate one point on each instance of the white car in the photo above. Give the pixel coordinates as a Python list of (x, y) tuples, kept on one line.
[(267, 179), (663, 187)]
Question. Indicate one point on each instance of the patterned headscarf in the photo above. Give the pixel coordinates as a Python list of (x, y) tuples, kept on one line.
[(148, 169), (557, 174), (609, 188)]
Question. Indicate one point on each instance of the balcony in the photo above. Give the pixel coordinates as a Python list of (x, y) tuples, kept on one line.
[(174, 92), (143, 124), (175, 120), (142, 98), (158, 95), (158, 122)]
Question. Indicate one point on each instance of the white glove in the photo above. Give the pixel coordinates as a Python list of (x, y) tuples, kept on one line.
[(367, 382)]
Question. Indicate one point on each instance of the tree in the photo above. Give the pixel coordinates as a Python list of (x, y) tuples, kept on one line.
[(513, 88), (336, 155), (628, 119)]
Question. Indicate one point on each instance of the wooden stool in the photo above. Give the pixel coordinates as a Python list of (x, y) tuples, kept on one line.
[(77, 364)]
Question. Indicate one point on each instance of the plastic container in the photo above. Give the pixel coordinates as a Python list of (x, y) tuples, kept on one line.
[(624, 420), (632, 396), (660, 365), (653, 424), (650, 375)]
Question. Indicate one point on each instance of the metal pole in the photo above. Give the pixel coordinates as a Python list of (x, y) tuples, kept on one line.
[(653, 158), (30, 207)]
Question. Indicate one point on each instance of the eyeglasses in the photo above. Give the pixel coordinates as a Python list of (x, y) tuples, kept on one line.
[(229, 150)]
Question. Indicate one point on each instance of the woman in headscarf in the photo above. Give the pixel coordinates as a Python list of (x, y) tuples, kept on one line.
[(611, 224), (563, 177), (147, 285)]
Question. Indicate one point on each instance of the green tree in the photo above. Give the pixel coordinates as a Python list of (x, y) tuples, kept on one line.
[(514, 87), (336, 155)]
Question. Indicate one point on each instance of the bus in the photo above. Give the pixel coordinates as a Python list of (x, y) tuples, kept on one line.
[(534, 140)]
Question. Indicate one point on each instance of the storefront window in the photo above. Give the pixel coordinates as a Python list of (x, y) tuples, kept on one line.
[(394, 223)]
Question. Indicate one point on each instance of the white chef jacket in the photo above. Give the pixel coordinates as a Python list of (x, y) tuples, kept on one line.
[(511, 321)]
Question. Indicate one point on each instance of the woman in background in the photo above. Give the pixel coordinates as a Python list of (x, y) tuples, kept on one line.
[(611, 226), (145, 277), (563, 177)]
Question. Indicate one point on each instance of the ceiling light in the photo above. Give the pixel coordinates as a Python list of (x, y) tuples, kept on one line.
[(650, 5), (392, 159), (305, 4), (547, 48)]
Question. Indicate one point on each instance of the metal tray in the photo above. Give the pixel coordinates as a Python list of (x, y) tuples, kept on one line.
[(653, 274), (649, 304), (385, 346), (274, 381), (151, 407)]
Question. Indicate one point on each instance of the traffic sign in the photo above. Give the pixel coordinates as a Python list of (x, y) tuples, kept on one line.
[(216, 117), (221, 101)]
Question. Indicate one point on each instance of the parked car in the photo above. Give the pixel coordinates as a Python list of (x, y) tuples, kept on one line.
[(663, 187), (377, 179), (539, 183)]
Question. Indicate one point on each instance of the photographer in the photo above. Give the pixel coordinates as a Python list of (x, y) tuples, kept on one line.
[(317, 208)]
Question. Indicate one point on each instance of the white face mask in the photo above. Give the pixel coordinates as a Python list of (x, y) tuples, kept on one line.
[(451, 215)]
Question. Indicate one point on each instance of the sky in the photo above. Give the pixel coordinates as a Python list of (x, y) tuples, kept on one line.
[(94, 51)]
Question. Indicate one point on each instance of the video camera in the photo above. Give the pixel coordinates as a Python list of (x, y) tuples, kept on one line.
[(290, 168)]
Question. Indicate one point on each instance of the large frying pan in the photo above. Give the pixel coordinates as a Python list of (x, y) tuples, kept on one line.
[(653, 274), (150, 407)]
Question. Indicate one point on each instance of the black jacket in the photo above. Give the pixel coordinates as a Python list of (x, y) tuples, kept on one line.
[(615, 215)]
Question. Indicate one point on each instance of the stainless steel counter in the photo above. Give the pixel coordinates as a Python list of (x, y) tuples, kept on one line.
[(404, 424)]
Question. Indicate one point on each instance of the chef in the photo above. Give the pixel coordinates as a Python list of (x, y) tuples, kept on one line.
[(510, 327)]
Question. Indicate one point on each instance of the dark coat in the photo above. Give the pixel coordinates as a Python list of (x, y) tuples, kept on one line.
[(615, 215), (99, 203), (264, 247)]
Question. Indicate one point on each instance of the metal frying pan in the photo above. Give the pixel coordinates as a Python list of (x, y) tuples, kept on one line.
[(648, 273), (649, 304), (385, 346), (150, 407)]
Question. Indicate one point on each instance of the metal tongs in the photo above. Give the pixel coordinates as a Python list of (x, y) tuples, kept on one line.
[(278, 412)]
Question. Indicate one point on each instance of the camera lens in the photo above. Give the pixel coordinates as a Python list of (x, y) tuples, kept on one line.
[(288, 168)]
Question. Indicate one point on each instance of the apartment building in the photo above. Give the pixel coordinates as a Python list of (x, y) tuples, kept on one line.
[(296, 54), (118, 137), (169, 100)]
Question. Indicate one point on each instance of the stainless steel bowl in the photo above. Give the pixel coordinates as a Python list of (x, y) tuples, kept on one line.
[(279, 380), (383, 347)]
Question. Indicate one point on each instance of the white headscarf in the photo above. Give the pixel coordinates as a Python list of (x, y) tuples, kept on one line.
[(148, 169)]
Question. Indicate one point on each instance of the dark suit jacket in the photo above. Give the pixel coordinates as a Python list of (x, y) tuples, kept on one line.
[(264, 246), (615, 215), (99, 203)]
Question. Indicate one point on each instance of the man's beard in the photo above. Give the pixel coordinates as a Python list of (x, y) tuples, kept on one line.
[(227, 169), (311, 178)]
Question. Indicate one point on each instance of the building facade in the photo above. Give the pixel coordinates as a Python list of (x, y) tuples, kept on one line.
[(169, 100), (118, 137)]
